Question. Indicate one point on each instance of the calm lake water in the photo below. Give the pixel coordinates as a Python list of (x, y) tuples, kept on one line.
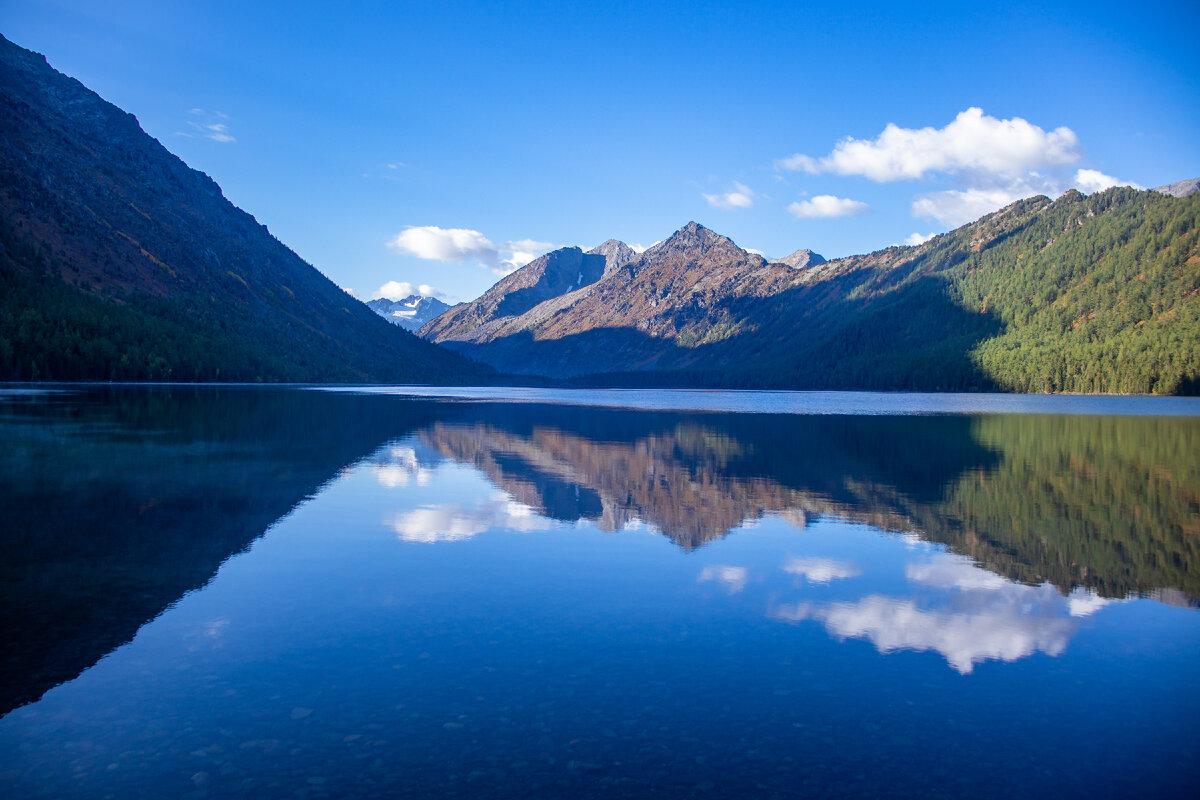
[(291, 592)]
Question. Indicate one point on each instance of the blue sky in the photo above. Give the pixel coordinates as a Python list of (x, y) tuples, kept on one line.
[(439, 144)]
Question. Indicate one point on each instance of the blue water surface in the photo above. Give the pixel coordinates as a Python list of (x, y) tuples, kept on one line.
[(363, 594)]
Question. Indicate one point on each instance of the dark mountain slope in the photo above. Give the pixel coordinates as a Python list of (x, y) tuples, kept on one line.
[(117, 261)]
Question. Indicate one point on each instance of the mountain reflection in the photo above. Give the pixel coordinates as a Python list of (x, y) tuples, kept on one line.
[(116, 502), (119, 501), (1046, 519), (1107, 504)]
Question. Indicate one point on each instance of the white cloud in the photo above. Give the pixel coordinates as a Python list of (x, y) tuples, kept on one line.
[(991, 162), (394, 290), (821, 570), (756, 252), (732, 578), (742, 196), (972, 142), (1093, 180), (798, 163), (825, 206), (398, 290), (444, 244), (394, 476), (957, 207), (349, 291), (463, 244), (207, 125), (522, 252), (915, 238)]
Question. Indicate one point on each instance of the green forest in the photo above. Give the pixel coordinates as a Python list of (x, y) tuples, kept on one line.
[(1097, 293)]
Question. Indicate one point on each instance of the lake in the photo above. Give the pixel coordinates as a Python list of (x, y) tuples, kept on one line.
[(299, 592)]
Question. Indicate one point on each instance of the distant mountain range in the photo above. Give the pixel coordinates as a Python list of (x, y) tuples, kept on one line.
[(118, 262), (409, 312), (1095, 293)]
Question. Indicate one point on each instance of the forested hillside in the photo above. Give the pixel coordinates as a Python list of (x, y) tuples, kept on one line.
[(1084, 294), (1096, 293)]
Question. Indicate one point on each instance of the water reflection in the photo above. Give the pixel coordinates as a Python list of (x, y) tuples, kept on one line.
[(453, 522), (278, 593), (1108, 504), (118, 502), (821, 570), (966, 614)]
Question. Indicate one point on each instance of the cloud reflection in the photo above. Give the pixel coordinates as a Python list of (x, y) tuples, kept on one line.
[(400, 466), (451, 522), (821, 570), (732, 578), (959, 610)]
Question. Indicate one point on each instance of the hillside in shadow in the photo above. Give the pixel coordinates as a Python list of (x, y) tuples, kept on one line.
[(117, 506)]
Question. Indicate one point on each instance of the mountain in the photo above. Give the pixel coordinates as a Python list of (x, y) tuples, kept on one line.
[(1180, 188), (118, 261), (558, 273), (616, 254), (557, 276), (625, 320), (1096, 293), (410, 312), (801, 259)]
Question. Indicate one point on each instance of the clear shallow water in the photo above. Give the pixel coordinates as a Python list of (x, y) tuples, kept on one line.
[(289, 593)]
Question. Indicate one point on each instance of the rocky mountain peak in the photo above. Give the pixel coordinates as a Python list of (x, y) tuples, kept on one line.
[(616, 254), (695, 240), (409, 312), (801, 259), (554, 274)]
